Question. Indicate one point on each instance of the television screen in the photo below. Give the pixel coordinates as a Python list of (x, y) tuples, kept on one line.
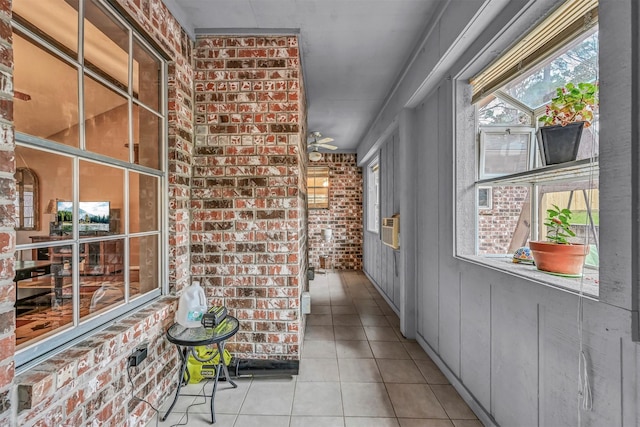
[(93, 216)]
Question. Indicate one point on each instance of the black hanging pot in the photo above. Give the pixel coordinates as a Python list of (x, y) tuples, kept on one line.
[(559, 144)]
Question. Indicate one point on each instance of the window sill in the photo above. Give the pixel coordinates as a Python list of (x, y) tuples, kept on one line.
[(589, 281)]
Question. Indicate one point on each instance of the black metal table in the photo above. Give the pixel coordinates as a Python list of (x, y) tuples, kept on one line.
[(186, 339)]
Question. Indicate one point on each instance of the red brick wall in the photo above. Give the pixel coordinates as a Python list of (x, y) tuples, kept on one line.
[(7, 233), (87, 384), (344, 216), (496, 225), (248, 240)]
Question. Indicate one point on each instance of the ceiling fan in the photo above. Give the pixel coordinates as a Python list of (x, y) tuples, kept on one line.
[(316, 141)]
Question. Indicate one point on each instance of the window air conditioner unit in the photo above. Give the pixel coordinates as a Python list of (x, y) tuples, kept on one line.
[(391, 231)]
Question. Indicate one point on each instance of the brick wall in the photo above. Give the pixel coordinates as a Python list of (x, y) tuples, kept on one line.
[(344, 216), (7, 214), (87, 384), (496, 225), (248, 240)]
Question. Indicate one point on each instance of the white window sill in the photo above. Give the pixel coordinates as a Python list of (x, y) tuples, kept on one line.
[(589, 281)]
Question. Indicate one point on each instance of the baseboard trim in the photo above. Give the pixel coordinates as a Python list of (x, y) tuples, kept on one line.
[(485, 418)]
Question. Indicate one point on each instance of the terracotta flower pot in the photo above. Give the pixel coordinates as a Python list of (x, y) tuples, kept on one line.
[(558, 258)]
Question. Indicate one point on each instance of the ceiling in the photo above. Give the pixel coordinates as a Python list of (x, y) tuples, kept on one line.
[(353, 51)]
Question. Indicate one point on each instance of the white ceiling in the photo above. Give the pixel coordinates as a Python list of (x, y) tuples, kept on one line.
[(352, 50)]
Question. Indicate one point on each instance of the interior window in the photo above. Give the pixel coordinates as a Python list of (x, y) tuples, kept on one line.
[(318, 187)]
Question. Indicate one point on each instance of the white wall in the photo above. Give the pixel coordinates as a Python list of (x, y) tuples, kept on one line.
[(509, 345)]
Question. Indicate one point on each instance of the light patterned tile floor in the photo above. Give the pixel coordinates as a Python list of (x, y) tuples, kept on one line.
[(356, 370)]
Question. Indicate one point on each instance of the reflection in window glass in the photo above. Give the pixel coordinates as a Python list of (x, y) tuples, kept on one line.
[(147, 134), (146, 76), (45, 16), (106, 45), (101, 276), (143, 203), (106, 120), (143, 264), (44, 291), (34, 94)]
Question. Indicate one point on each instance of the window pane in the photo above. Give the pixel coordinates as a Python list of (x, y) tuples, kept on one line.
[(34, 93), (584, 204), (55, 173), (101, 276), (147, 134), (106, 45), (54, 20), (494, 111), (143, 202), (101, 193), (503, 153), (505, 226), (146, 76), (143, 265), (107, 120), (43, 292), (577, 62), (318, 187)]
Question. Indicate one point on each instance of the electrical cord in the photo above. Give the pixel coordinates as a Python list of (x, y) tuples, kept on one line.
[(204, 397), (585, 397), (141, 399)]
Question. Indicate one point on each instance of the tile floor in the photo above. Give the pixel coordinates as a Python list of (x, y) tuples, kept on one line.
[(356, 370)]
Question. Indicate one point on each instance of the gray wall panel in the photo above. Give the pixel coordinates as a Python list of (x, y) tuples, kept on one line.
[(475, 336), (514, 357)]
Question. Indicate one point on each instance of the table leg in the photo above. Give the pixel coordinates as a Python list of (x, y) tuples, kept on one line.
[(223, 366), (184, 353)]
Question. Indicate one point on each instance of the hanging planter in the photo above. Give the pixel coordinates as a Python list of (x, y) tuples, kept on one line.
[(570, 111), (559, 144)]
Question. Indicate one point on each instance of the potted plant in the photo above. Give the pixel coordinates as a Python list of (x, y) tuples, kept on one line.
[(558, 254), (570, 110)]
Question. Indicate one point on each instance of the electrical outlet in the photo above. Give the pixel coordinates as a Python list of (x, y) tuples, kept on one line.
[(139, 354)]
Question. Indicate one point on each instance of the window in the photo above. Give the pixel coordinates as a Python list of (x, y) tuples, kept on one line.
[(485, 200), (373, 196), (26, 203), (318, 187), (513, 187), (89, 116)]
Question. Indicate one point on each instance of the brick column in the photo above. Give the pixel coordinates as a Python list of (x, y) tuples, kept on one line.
[(7, 215), (248, 194)]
